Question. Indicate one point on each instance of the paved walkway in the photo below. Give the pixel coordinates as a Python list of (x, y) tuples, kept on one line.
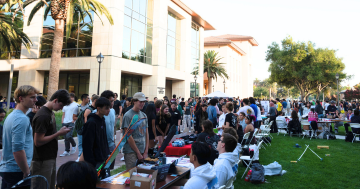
[(73, 157)]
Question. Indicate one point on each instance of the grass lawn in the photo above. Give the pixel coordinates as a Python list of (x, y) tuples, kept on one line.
[(339, 170), (118, 170)]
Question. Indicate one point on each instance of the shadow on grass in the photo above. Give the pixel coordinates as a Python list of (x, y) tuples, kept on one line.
[(339, 170)]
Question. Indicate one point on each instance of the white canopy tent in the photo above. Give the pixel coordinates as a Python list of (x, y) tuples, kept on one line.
[(218, 94)]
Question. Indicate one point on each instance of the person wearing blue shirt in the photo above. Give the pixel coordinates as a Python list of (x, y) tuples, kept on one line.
[(211, 110), (284, 104), (254, 107), (18, 141), (110, 122)]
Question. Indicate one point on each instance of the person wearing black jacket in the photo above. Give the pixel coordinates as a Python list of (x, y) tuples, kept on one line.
[(200, 116), (319, 109), (95, 145)]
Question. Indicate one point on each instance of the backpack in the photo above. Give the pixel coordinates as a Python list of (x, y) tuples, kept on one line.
[(331, 136), (180, 110), (122, 103), (257, 173), (212, 141), (79, 123), (349, 137)]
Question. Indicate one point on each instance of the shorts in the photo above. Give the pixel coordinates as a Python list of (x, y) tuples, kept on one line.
[(130, 160)]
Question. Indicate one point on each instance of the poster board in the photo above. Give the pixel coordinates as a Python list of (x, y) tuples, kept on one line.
[(265, 105)]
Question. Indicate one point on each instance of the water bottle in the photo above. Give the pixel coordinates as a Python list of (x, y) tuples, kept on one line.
[(247, 178)]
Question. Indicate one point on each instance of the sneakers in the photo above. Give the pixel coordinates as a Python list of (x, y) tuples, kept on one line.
[(73, 150), (65, 154), (77, 160)]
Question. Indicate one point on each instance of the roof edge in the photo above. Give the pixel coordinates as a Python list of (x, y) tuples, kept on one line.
[(194, 15)]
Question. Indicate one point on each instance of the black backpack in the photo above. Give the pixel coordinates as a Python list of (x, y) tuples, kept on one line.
[(349, 137), (257, 173), (79, 123)]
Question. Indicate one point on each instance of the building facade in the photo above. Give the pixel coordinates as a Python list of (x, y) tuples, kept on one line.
[(152, 47), (236, 53)]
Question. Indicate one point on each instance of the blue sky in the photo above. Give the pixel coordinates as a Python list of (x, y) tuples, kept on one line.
[(329, 24)]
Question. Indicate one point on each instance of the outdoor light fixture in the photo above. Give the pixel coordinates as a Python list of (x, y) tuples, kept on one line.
[(337, 96), (100, 59), (195, 84), (224, 86)]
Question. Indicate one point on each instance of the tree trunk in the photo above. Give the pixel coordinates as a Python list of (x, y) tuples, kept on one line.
[(210, 85), (56, 57)]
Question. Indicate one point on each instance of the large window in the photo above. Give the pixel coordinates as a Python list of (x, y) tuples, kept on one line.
[(173, 42), (78, 44), (192, 89), (138, 30), (74, 82), (130, 84), (195, 46)]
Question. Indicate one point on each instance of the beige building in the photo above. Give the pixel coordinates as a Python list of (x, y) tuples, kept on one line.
[(152, 47), (236, 51)]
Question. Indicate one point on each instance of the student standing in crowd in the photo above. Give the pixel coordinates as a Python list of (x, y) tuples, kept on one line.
[(163, 119), (118, 109), (211, 110), (96, 150), (17, 139), (87, 112), (200, 116), (230, 118), (46, 138), (279, 106), (151, 115), (136, 148), (175, 116), (109, 121), (272, 114), (84, 102), (224, 164), (40, 102), (68, 121), (187, 116), (2, 117), (222, 116)]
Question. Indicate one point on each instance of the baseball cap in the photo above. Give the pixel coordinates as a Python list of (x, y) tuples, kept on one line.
[(139, 96), (332, 102)]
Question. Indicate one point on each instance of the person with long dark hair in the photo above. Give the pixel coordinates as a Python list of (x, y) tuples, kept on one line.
[(151, 115), (163, 119), (158, 105), (200, 116), (294, 124), (208, 136), (166, 102), (250, 128), (272, 114)]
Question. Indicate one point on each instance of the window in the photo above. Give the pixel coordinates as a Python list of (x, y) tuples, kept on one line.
[(192, 89), (74, 82), (130, 84), (138, 29), (173, 42), (195, 46), (78, 44)]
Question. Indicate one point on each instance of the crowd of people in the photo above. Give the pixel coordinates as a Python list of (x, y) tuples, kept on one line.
[(30, 136)]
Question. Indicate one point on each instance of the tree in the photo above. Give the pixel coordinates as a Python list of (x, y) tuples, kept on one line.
[(11, 36), (298, 63), (212, 68), (352, 94), (357, 86), (63, 11), (256, 82), (261, 92)]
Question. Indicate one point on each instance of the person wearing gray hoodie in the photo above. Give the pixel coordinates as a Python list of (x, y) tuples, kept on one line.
[(227, 159), (204, 175)]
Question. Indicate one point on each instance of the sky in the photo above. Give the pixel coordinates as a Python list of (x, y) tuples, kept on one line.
[(329, 24)]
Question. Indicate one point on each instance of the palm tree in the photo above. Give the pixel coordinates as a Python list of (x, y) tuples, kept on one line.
[(212, 67), (64, 11), (11, 36)]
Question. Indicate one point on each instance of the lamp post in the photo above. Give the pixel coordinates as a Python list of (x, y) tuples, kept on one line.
[(100, 59), (337, 96), (213, 88), (195, 85), (224, 86)]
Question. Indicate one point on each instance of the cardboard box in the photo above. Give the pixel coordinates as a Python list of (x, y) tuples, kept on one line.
[(137, 182)]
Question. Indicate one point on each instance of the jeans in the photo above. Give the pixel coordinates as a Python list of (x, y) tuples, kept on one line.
[(68, 137), (45, 168), (80, 144), (9, 179), (320, 115), (187, 121)]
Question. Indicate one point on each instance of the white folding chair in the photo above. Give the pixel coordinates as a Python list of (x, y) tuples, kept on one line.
[(245, 137), (306, 128), (355, 126), (248, 158), (281, 125)]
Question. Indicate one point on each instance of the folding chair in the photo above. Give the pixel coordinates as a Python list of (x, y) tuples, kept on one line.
[(265, 132), (355, 126), (229, 183), (282, 124), (248, 158), (212, 183), (306, 127), (246, 136)]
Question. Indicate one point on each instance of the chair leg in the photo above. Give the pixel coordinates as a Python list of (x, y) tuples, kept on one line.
[(354, 138)]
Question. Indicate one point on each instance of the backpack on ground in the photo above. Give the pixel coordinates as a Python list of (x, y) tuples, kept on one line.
[(79, 123), (257, 173), (349, 137)]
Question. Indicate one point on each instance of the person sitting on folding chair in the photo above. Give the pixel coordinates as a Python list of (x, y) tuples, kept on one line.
[(294, 125), (238, 148), (226, 161), (313, 118)]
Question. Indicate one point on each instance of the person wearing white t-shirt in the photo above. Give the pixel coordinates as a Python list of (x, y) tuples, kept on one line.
[(68, 121), (246, 108), (222, 117)]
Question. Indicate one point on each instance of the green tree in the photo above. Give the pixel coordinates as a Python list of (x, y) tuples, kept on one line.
[(212, 67), (261, 92), (300, 64), (357, 86), (11, 34), (256, 82), (64, 11)]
